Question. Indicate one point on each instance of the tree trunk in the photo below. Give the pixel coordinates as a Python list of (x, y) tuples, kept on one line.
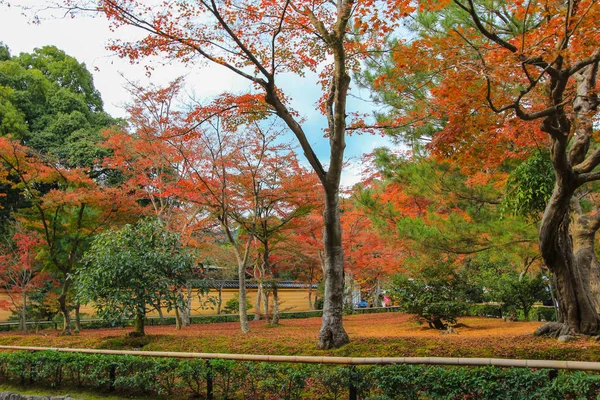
[(583, 232), (77, 317), (436, 323), (220, 300), (24, 313), (64, 309), (275, 319), (259, 293), (177, 318), (158, 309), (266, 302), (568, 254), (332, 333), (348, 289), (377, 295), (243, 296), (186, 312), (138, 329), (311, 305), (577, 308)]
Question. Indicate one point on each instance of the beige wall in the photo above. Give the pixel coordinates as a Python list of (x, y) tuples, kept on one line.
[(290, 300)]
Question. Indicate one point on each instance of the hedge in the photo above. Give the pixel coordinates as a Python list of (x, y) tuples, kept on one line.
[(199, 319), (495, 311), (233, 380)]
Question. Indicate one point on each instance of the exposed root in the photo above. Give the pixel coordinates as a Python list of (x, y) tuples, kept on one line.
[(554, 330)]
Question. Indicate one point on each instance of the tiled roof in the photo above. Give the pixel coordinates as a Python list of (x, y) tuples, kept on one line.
[(234, 284)]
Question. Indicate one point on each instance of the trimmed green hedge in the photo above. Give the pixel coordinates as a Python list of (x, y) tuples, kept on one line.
[(196, 320), (233, 380), (495, 311)]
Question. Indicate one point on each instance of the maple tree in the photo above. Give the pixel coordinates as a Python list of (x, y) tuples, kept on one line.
[(259, 42), (67, 209), (20, 272), (371, 258), (197, 170), (283, 192)]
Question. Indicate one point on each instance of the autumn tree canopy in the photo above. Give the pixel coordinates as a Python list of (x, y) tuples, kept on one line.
[(259, 42)]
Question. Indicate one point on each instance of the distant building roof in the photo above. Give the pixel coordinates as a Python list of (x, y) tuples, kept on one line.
[(234, 284)]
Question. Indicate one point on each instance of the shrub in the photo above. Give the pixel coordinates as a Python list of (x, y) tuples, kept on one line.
[(436, 300), (233, 305)]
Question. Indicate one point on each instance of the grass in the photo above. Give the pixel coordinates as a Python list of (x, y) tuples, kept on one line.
[(371, 335)]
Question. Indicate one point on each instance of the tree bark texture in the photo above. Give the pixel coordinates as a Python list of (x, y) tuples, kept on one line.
[(332, 333), (138, 328), (64, 308), (567, 247)]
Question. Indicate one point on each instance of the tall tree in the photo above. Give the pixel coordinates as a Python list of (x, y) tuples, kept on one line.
[(525, 74), (259, 42)]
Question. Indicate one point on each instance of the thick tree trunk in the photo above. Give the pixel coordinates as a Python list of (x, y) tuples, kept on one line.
[(567, 252), (332, 333), (577, 308), (243, 297), (63, 306), (583, 232), (138, 328)]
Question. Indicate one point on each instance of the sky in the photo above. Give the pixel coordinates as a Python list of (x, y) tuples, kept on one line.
[(85, 38)]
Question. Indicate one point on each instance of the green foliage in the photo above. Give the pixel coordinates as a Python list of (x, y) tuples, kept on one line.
[(437, 296), (48, 100), (520, 293), (233, 305), (127, 270), (232, 379), (441, 214), (530, 186)]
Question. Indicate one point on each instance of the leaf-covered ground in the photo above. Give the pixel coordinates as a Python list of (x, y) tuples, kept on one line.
[(372, 335)]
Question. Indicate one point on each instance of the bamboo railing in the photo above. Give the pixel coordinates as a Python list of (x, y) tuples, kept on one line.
[(499, 362)]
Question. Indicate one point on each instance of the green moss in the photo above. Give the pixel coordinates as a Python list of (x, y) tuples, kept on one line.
[(74, 393)]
